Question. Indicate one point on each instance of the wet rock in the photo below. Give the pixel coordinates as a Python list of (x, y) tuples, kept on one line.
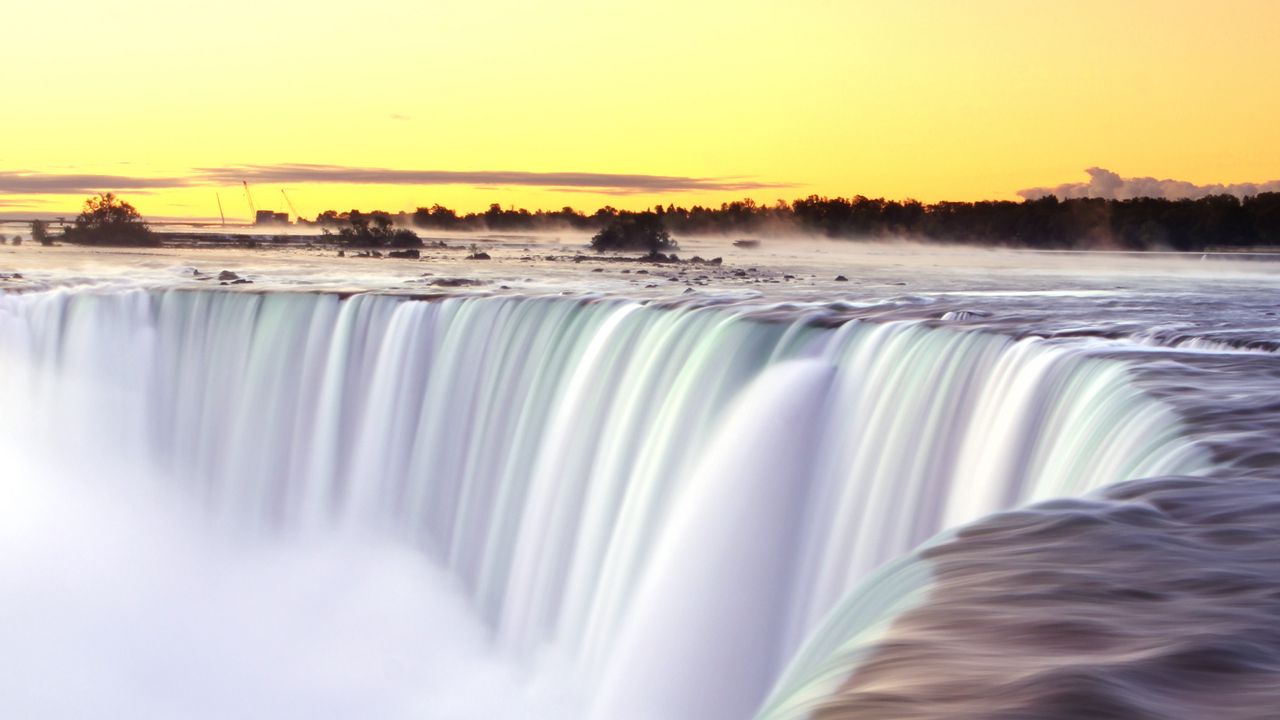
[(227, 276), (478, 255), (965, 315), (405, 254), (657, 257), (342, 253), (456, 282), (841, 278)]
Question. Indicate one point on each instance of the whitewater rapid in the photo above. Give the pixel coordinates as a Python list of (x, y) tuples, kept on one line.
[(608, 508)]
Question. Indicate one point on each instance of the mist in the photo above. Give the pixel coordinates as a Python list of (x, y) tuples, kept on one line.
[(121, 600)]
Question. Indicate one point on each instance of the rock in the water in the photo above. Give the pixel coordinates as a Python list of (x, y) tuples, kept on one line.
[(965, 314), (841, 278), (478, 255), (227, 275), (455, 282), (405, 254)]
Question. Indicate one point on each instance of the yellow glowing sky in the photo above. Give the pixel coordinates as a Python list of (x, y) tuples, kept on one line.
[(932, 100)]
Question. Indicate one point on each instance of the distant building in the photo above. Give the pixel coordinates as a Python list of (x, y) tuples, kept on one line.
[(270, 217)]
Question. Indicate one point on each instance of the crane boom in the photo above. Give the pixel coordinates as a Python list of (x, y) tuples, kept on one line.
[(252, 210), (220, 213), (297, 215)]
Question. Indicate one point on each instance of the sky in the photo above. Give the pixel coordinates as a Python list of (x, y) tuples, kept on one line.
[(394, 104)]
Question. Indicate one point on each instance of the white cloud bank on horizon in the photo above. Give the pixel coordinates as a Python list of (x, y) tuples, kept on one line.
[(1104, 183)]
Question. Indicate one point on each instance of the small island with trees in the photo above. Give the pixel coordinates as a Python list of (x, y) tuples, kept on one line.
[(105, 220), (634, 232)]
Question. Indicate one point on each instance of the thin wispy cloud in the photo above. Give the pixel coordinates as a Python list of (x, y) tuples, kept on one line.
[(1104, 183), (23, 182), (601, 182)]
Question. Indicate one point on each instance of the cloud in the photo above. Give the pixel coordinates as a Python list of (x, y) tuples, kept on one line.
[(25, 182), (599, 182), (1107, 184)]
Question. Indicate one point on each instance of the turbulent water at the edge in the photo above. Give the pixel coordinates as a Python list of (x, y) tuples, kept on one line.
[(226, 504)]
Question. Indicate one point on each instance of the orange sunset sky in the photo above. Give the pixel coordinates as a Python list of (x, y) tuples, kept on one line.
[(393, 104)]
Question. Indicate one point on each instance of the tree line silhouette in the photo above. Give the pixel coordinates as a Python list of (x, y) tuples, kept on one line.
[(1050, 223), (1216, 221)]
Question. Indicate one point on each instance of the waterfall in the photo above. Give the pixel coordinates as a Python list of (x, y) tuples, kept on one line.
[(669, 499)]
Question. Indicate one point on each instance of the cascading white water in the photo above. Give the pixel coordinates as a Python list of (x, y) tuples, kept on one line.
[(665, 501)]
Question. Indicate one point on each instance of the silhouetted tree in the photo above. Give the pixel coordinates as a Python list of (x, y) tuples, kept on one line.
[(438, 217), (40, 232), (108, 220), (637, 231), (375, 229)]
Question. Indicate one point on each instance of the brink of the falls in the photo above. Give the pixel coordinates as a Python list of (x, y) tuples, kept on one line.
[(617, 510)]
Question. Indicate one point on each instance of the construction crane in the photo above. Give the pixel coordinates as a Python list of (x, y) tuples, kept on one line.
[(297, 215), (253, 211), (220, 213)]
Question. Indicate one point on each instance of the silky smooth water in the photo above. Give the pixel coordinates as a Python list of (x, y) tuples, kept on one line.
[(599, 507)]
